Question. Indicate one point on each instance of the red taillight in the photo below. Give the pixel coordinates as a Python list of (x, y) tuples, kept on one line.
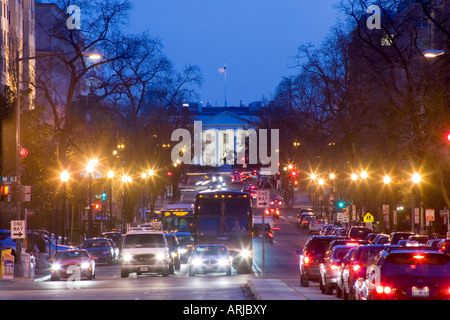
[(305, 260), (448, 291), (334, 267), (384, 290), (277, 212), (419, 256), (356, 267), (267, 212)]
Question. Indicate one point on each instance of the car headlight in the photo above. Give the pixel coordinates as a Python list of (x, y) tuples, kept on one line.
[(85, 265), (160, 256), (182, 250), (246, 253), (127, 257), (56, 267), (224, 262), (196, 261)]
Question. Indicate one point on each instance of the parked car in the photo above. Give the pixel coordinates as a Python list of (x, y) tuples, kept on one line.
[(101, 249), (329, 267), (311, 257), (408, 273), (72, 263), (210, 258)]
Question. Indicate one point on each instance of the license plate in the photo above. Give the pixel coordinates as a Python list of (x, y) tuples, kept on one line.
[(143, 269), (420, 292)]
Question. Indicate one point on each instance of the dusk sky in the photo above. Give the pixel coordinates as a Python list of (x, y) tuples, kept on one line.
[(255, 38)]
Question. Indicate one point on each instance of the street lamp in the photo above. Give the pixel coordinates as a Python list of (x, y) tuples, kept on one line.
[(432, 53), (386, 181), (64, 176), (416, 178), (110, 177)]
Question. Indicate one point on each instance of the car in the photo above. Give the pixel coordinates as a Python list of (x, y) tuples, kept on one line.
[(302, 215), (101, 249), (340, 273), (116, 250), (312, 256), (355, 268), (358, 233), (328, 229), (145, 250), (371, 237), (381, 239), (207, 258), (236, 177), (251, 189), (340, 241), (408, 274), (316, 225), (116, 236), (174, 246), (395, 237), (342, 232), (273, 212), (277, 202), (329, 267), (444, 246), (258, 226), (187, 244), (432, 243), (420, 238), (74, 262)]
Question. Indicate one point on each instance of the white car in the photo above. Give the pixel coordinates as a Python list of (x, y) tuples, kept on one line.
[(316, 225)]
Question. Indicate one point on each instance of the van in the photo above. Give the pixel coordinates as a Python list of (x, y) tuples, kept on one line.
[(145, 250)]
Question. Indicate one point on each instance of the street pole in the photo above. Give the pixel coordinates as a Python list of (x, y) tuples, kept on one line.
[(18, 262), (90, 207)]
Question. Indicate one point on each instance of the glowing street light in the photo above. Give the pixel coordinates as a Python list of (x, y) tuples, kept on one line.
[(416, 178), (387, 179)]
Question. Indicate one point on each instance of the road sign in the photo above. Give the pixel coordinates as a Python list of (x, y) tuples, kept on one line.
[(368, 218), (18, 230), (7, 179), (262, 198), (429, 214)]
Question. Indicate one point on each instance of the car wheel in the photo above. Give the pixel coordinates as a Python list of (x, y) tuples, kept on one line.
[(124, 273), (328, 290), (166, 272), (303, 282), (338, 292)]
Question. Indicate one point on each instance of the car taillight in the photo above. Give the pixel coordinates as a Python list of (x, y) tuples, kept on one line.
[(277, 212), (267, 212), (356, 267), (384, 289), (448, 291), (334, 267), (305, 260)]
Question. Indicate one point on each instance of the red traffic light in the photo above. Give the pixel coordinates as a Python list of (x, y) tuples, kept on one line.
[(447, 136), (23, 152), (169, 173)]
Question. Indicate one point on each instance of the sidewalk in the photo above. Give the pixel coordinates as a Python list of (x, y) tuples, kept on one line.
[(272, 289)]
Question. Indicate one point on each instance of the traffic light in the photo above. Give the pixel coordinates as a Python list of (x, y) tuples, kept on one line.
[(341, 204), (104, 196), (97, 206), (6, 193)]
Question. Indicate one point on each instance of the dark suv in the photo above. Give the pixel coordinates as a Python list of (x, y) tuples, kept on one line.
[(312, 256), (358, 233)]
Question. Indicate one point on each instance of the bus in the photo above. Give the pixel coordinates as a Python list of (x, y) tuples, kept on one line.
[(225, 217), (177, 217)]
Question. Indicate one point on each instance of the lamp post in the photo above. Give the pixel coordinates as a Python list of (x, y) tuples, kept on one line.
[(110, 177), (416, 178), (126, 180), (64, 176), (90, 169), (386, 181)]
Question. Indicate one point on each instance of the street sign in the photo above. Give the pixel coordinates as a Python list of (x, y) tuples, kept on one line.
[(262, 198), (7, 179), (368, 218), (429, 214), (18, 229)]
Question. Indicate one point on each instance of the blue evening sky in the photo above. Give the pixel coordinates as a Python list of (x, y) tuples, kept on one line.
[(255, 38)]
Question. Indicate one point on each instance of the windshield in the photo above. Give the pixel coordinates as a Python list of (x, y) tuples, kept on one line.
[(417, 264), (155, 240), (71, 255), (365, 253), (95, 244), (211, 250), (359, 233), (177, 223), (339, 253)]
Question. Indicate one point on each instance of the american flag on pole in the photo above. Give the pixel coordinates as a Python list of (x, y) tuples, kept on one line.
[(223, 70)]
